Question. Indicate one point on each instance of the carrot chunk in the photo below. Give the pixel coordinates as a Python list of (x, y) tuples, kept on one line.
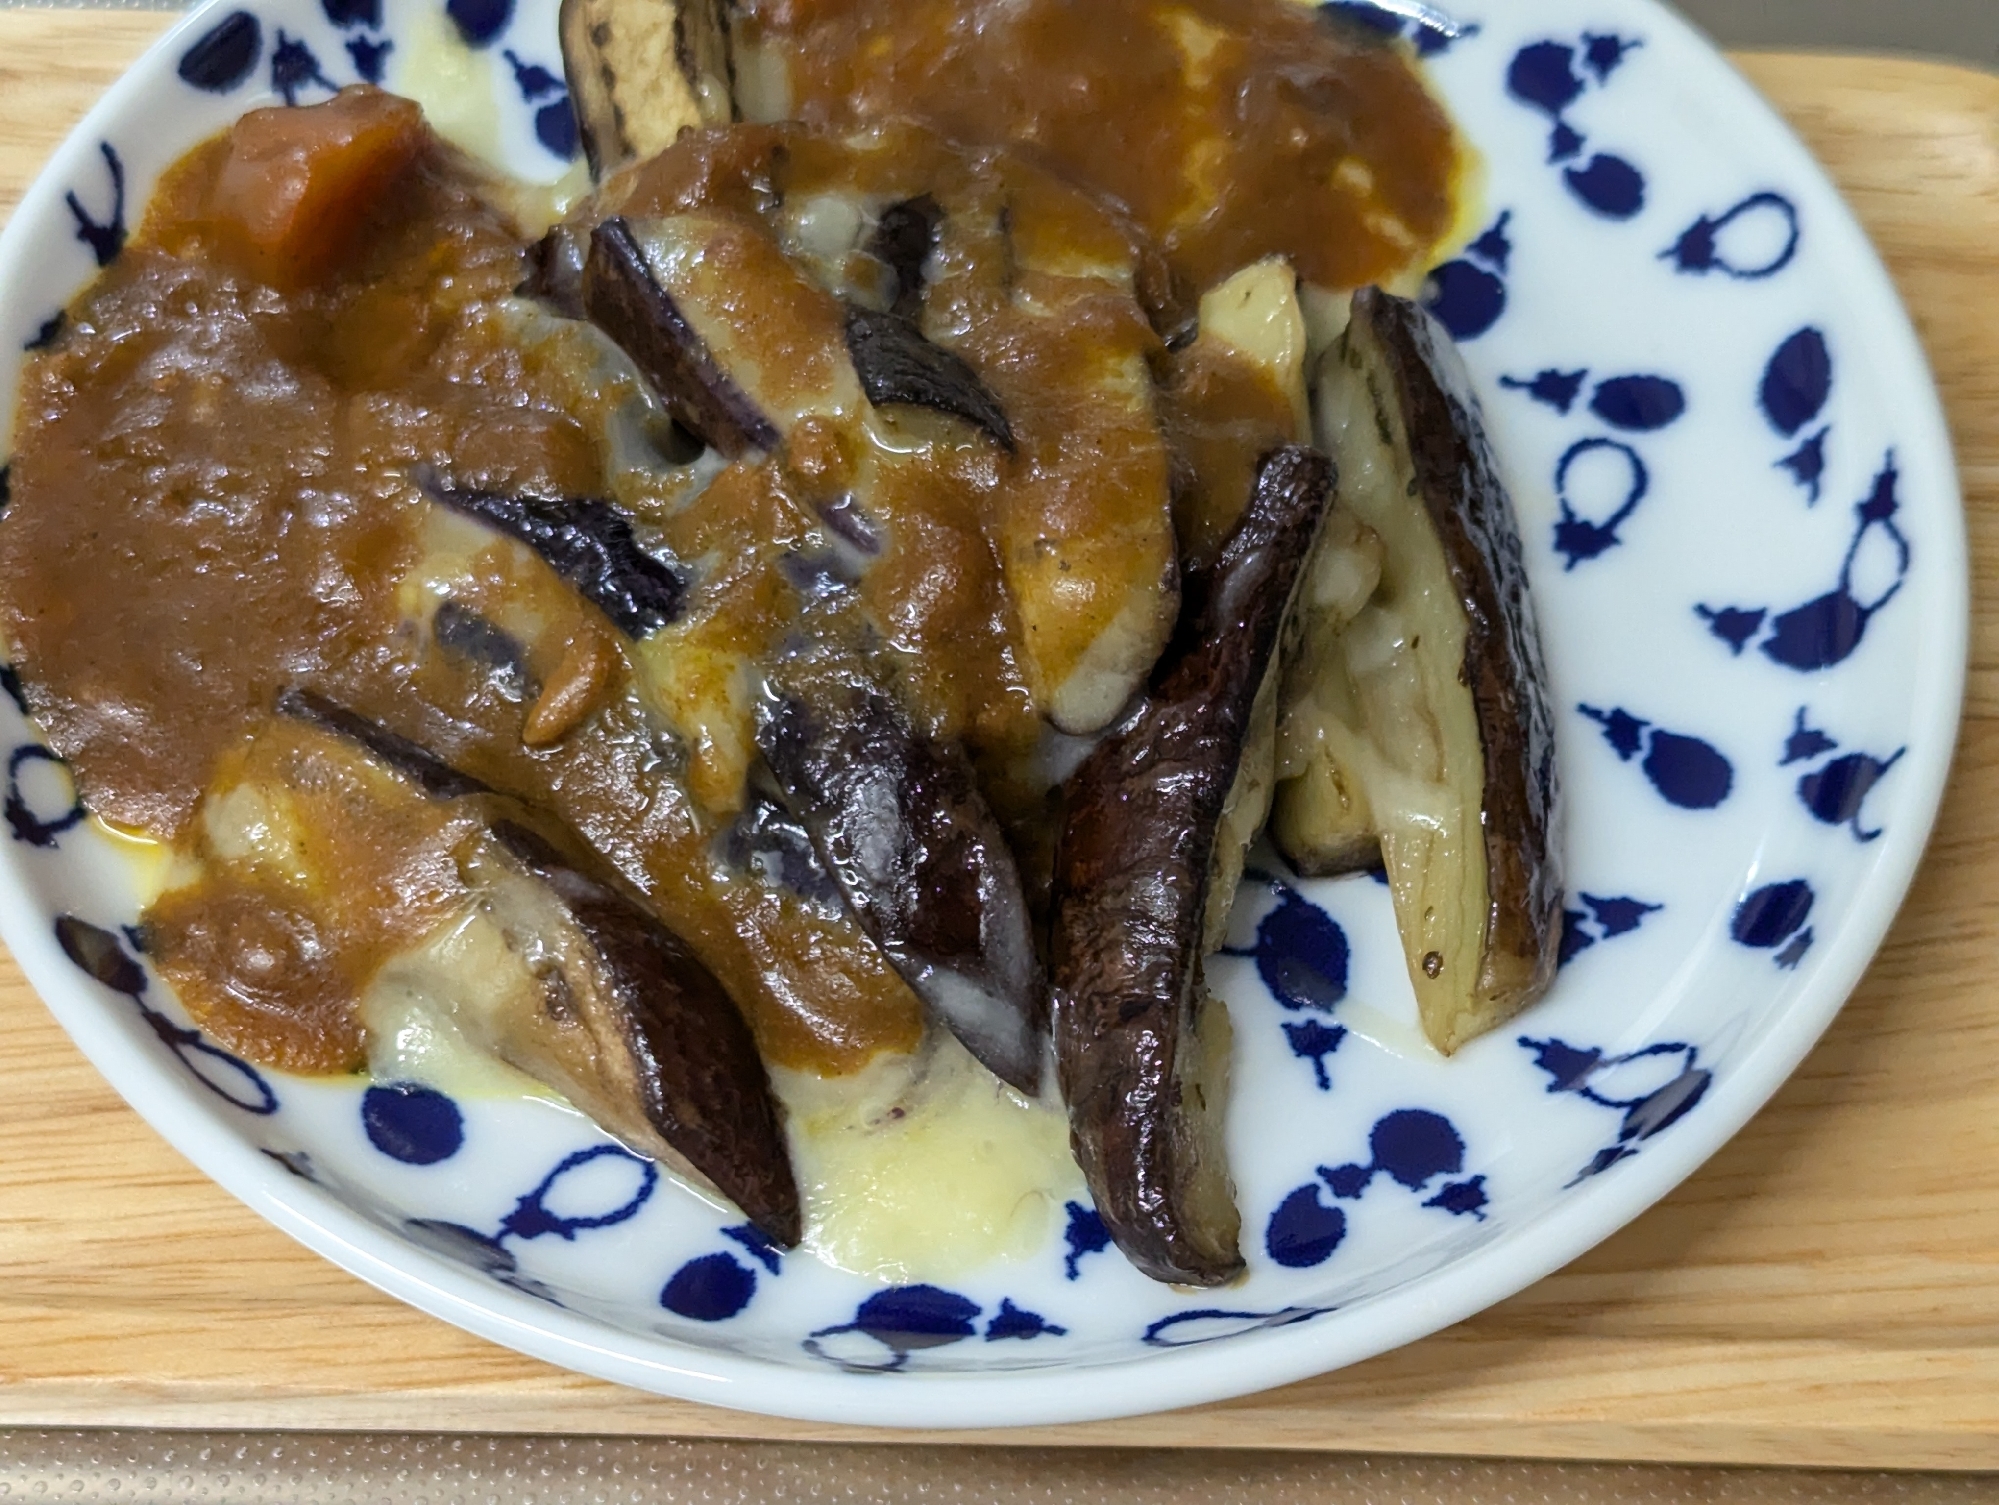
[(299, 185)]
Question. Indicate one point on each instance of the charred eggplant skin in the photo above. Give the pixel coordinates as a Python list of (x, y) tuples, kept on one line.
[(706, 1088), (642, 71), (897, 364), (555, 270), (587, 543), (624, 300), (412, 760), (1458, 479), (706, 1091), (1132, 876), (903, 239), (920, 859)]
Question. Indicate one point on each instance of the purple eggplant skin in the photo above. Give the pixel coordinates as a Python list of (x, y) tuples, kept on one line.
[(902, 241), (1132, 879), (555, 270), (898, 820), (1458, 479), (770, 843), (896, 364), (412, 760), (705, 1088), (624, 300), (588, 543), (494, 653)]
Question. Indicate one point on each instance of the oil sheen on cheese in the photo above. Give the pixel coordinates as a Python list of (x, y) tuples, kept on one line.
[(925, 1166)]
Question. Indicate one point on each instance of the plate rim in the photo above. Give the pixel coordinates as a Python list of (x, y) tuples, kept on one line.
[(1160, 1380)]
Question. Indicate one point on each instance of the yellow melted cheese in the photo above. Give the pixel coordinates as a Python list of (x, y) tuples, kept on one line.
[(924, 1166)]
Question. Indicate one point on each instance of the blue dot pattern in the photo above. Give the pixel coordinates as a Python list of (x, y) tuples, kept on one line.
[(414, 1124), (1410, 1165)]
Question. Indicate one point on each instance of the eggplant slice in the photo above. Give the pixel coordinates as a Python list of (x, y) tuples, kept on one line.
[(642, 71), (903, 239), (669, 1035), (898, 821), (1426, 717), (589, 544), (896, 364), (1143, 869), (560, 973), (625, 299)]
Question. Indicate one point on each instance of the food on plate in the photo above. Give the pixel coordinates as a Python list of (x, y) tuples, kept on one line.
[(1152, 842), (1230, 130), (524, 945), (898, 821), (792, 651), (642, 71), (1419, 723)]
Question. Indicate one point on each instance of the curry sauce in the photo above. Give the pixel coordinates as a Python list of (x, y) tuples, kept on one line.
[(234, 474), (1229, 129)]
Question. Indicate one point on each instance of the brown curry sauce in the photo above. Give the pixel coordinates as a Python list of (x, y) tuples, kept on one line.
[(216, 483)]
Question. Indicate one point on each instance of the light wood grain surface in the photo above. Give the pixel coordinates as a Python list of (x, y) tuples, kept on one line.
[(1825, 1291)]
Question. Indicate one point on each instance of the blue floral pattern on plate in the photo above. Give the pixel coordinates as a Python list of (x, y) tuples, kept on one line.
[(1680, 351)]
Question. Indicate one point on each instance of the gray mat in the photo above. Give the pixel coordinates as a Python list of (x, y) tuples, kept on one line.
[(153, 1468)]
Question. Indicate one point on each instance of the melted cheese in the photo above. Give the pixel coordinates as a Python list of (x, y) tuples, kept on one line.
[(409, 1010), (432, 65), (924, 1166)]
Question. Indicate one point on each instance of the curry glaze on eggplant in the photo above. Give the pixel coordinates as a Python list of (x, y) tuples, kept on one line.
[(867, 563), (1420, 723), (1140, 1048), (750, 275), (607, 1005), (899, 823)]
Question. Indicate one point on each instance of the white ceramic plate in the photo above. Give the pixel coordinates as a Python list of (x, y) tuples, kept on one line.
[(1744, 532)]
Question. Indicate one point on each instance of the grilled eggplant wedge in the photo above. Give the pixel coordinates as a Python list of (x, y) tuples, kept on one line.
[(899, 822), (843, 304), (642, 71), (1151, 845), (508, 932), (1424, 719)]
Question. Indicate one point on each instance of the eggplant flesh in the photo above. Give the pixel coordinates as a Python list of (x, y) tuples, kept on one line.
[(642, 71), (554, 969), (1143, 871), (1425, 718), (899, 823), (625, 300), (1325, 823)]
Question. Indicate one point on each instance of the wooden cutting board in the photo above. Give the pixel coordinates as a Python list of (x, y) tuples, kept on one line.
[(1825, 1291)]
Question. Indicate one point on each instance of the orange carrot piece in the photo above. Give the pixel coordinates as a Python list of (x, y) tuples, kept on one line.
[(299, 184)]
